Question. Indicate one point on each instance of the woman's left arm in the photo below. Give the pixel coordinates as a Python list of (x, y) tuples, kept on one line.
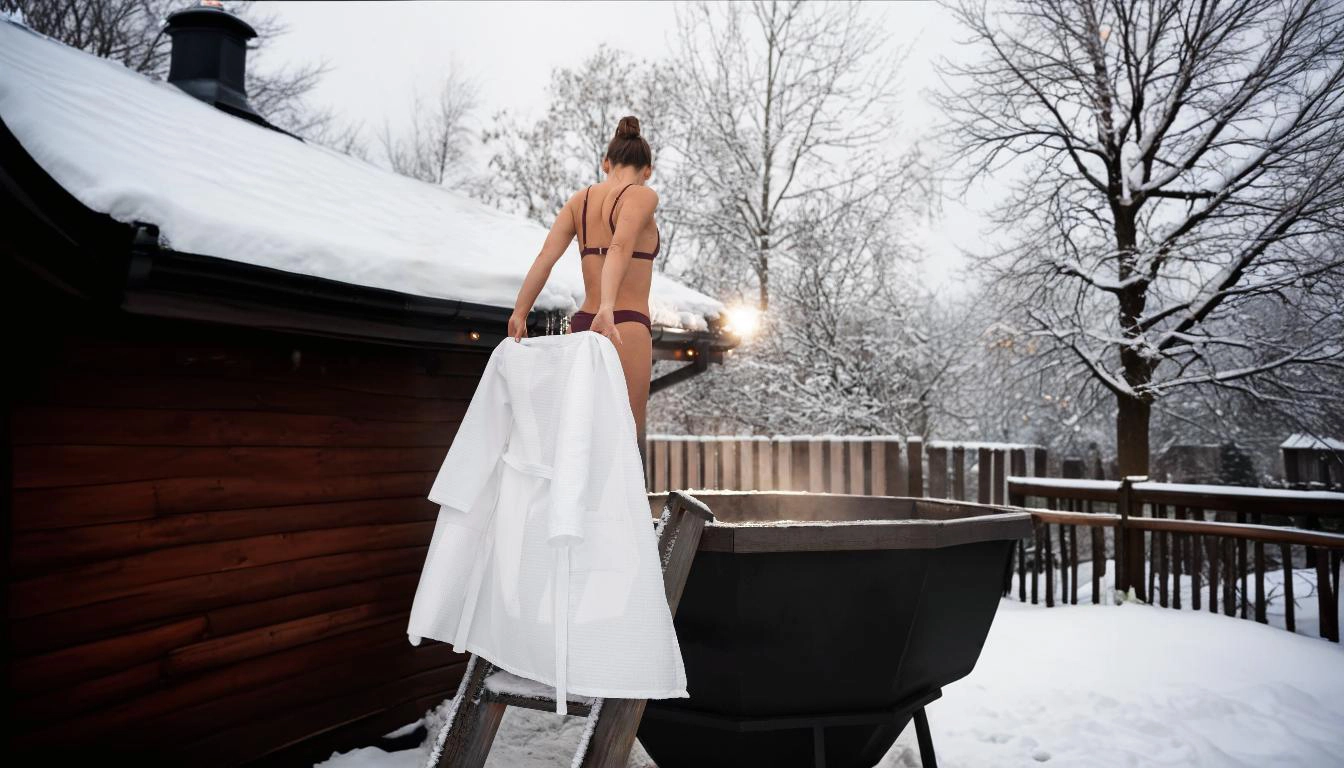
[(557, 241)]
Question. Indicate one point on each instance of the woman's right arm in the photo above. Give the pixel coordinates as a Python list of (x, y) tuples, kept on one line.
[(557, 241)]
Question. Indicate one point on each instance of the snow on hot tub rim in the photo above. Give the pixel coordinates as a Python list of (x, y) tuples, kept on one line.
[(987, 522)]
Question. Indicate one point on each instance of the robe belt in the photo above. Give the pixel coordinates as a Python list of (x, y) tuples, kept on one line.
[(559, 591), (528, 467)]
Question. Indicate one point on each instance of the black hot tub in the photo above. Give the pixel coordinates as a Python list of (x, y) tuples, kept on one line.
[(814, 627)]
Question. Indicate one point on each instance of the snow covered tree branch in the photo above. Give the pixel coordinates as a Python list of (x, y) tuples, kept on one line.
[(1179, 177)]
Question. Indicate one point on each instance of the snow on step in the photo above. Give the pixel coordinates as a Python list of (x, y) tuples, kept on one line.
[(510, 684), (139, 149)]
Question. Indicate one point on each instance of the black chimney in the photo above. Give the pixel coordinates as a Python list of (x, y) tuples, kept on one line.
[(210, 57)]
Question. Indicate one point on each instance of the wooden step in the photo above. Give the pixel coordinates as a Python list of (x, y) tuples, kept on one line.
[(515, 691), (485, 692)]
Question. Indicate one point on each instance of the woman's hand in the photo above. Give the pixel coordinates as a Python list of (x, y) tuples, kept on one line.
[(605, 324), (517, 326)]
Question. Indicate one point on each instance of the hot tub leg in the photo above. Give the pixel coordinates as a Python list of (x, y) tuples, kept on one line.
[(926, 756)]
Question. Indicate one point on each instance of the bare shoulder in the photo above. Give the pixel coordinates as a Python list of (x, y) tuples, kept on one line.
[(643, 198), (575, 199), (647, 195)]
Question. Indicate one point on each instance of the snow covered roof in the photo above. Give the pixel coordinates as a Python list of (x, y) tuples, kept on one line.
[(1308, 442), (139, 149)]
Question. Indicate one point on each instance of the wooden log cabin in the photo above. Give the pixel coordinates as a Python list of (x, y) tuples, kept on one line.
[(218, 455)]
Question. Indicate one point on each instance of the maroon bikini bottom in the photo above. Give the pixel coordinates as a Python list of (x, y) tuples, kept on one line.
[(582, 321)]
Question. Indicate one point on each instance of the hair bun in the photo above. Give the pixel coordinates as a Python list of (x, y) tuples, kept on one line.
[(628, 128)]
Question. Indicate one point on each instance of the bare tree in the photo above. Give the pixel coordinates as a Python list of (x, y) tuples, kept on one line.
[(850, 346), (1180, 175), (131, 32), (791, 195), (537, 166), (435, 146), (771, 96), (127, 31)]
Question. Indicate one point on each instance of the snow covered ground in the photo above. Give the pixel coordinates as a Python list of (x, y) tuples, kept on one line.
[(1085, 685)]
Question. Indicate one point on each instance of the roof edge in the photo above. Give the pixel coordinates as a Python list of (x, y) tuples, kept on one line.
[(124, 266)]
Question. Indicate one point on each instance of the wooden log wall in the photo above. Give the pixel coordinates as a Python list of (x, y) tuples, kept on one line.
[(215, 538), (874, 465)]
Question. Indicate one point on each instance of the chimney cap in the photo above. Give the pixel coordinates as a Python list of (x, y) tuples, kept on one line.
[(209, 14)]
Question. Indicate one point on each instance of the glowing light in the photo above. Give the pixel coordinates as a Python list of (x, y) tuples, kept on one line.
[(475, 335), (742, 320)]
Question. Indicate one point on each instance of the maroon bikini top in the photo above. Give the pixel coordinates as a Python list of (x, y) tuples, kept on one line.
[(585, 249)]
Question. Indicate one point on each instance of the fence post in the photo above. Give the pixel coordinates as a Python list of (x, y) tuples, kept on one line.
[(676, 464), (1017, 462), (835, 455), (784, 463), (938, 472), (1000, 475), (659, 453), (694, 446), (709, 457), (801, 448), (816, 478), (1122, 578), (746, 477), (1129, 555), (915, 457), (854, 449), (895, 477), (1040, 461), (984, 475), (765, 463), (958, 472), (728, 464)]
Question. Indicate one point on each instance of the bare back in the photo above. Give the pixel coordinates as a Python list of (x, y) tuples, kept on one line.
[(593, 223), (603, 208)]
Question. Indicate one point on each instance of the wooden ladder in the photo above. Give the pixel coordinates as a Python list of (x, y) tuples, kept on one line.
[(466, 736)]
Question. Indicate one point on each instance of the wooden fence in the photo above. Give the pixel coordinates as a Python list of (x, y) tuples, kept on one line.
[(1217, 537), (875, 465)]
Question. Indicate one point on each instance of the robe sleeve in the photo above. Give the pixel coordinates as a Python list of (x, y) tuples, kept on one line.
[(480, 440), (573, 492)]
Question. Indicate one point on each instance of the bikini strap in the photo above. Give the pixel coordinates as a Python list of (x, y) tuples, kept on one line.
[(611, 218), (583, 238)]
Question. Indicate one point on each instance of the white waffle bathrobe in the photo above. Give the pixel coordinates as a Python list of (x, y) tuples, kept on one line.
[(544, 560)]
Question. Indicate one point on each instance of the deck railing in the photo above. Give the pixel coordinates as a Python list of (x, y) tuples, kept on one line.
[(1225, 541)]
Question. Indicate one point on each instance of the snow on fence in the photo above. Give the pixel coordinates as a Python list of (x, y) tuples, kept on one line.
[(872, 465), (1231, 540)]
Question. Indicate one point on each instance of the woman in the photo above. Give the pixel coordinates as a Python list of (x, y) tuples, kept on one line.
[(618, 240)]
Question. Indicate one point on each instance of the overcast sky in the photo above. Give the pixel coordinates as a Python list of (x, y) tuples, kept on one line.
[(380, 53)]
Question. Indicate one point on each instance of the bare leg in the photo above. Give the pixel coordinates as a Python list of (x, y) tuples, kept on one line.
[(636, 353)]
